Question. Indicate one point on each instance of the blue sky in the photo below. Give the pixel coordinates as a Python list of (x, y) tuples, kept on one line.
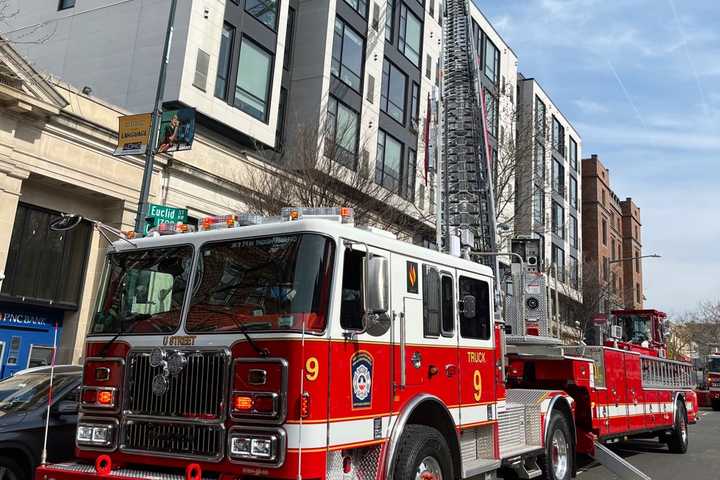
[(640, 81)]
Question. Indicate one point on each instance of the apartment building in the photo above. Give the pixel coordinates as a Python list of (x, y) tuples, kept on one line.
[(498, 68), (548, 184), (611, 241), (261, 73)]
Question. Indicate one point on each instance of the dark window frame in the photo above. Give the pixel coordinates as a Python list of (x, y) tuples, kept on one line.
[(289, 39), (229, 59), (402, 34), (274, 27), (482, 306), (385, 89), (268, 99), (390, 21), (342, 66), (380, 170), (65, 4), (357, 9), (343, 152), (496, 61)]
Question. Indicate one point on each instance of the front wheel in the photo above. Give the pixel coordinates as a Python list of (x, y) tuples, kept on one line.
[(423, 454), (557, 463), (10, 470), (678, 440)]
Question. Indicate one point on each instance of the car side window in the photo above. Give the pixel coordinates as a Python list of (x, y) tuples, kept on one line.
[(431, 301), (351, 306), (476, 326)]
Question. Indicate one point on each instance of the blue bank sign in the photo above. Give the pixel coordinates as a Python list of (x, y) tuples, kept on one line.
[(25, 320)]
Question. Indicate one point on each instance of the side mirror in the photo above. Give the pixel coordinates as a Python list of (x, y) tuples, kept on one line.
[(66, 407), (377, 285), (65, 222), (468, 307)]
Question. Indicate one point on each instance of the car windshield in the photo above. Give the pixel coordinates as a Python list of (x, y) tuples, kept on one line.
[(25, 392), (143, 291), (636, 328), (714, 365), (268, 283)]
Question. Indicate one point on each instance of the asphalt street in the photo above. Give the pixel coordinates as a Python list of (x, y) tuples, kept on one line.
[(702, 460)]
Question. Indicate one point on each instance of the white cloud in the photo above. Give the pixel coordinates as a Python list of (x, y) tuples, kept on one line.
[(590, 107)]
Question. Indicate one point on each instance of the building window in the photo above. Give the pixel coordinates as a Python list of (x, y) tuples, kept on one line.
[(264, 10), (540, 164), (359, 6), (347, 56), (392, 97), (415, 106), (65, 4), (540, 119), (604, 231), (573, 154), (558, 220), (342, 135), (387, 163), (408, 174), (492, 61), (491, 111), (574, 273), (573, 232), (603, 197), (389, 17), (252, 87), (605, 268), (410, 40), (558, 178), (573, 192), (637, 261), (223, 71), (289, 37), (432, 8), (558, 262), (282, 118), (612, 248), (638, 293), (558, 136), (38, 257), (539, 206)]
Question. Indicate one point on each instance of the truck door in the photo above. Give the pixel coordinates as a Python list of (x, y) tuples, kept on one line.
[(478, 396), (616, 390), (360, 363), (634, 392), (427, 354)]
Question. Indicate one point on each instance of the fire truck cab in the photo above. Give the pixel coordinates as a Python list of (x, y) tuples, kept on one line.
[(307, 347), (713, 379)]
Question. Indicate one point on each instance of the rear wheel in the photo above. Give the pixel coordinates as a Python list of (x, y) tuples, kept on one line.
[(678, 440), (10, 470), (557, 463), (423, 454)]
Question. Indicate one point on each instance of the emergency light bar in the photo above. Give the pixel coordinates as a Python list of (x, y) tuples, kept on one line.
[(343, 214), (170, 229)]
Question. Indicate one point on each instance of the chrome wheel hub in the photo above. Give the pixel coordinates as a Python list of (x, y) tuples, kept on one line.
[(429, 469), (559, 455)]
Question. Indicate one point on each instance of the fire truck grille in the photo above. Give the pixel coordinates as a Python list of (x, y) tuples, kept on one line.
[(186, 440), (196, 390)]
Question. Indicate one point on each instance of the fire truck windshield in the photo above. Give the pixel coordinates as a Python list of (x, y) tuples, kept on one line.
[(268, 283), (714, 365), (636, 328), (143, 291)]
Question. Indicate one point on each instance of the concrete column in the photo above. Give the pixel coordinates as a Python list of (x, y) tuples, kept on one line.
[(11, 180)]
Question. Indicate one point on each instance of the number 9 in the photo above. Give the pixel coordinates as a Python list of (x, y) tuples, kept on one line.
[(477, 384), (312, 369)]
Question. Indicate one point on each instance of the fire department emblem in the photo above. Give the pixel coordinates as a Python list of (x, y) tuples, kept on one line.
[(361, 371)]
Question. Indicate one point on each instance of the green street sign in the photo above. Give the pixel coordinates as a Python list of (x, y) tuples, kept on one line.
[(158, 214)]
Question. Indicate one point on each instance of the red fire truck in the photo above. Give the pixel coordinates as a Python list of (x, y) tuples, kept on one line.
[(307, 347), (713, 380)]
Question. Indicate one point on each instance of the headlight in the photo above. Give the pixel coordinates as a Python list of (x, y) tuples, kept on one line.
[(95, 435), (262, 446)]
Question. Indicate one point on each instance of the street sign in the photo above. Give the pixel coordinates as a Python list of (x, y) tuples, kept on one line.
[(158, 214), (133, 134)]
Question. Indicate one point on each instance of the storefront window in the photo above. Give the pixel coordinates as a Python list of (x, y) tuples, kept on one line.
[(38, 257)]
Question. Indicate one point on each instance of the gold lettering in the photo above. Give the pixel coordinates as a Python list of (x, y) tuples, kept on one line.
[(476, 357)]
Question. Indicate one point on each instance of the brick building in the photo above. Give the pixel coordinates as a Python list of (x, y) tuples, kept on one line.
[(611, 241)]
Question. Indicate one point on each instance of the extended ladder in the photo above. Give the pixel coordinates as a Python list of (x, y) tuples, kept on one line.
[(468, 202)]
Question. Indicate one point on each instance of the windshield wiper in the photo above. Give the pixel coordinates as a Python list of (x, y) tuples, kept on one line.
[(262, 351), (121, 330)]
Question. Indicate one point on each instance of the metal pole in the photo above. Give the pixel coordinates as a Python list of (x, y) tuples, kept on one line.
[(155, 125)]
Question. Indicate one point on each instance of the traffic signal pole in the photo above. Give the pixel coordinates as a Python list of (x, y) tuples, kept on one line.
[(155, 125)]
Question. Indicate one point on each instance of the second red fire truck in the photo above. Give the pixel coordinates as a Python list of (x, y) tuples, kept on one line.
[(309, 348)]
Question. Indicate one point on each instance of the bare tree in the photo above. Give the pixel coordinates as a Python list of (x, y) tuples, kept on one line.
[(319, 167), (701, 325)]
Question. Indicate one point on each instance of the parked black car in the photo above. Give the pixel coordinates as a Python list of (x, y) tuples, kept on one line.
[(23, 409)]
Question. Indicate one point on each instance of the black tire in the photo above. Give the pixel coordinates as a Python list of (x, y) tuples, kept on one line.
[(716, 405), (416, 444), (677, 441), (11, 470), (551, 463)]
